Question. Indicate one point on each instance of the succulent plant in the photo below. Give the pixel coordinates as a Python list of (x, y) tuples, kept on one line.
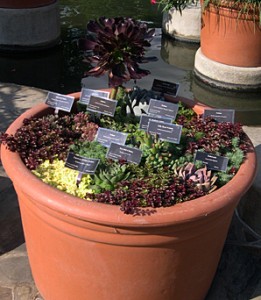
[(82, 123), (57, 175), (213, 137), (89, 149), (108, 178), (43, 138), (203, 178), (156, 153), (116, 46), (134, 194)]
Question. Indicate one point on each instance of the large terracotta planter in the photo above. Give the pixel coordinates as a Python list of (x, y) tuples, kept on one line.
[(84, 250), (229, 39)]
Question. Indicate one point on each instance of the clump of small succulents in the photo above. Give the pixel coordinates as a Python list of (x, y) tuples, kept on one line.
[(48, 137), (57, 175), (167, 173)]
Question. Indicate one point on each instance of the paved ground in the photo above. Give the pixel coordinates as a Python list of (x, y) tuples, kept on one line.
[(239, 273)]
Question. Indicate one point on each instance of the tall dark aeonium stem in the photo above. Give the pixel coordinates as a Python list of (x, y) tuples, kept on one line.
[(117, 46)]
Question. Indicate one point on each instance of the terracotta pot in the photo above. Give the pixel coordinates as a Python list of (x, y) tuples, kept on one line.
[(16, 4), (84, 250), (229, 39)]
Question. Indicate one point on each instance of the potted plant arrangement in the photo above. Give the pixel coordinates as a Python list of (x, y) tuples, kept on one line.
[(231, 27), (230, 43), (181, 19), (129, 213)]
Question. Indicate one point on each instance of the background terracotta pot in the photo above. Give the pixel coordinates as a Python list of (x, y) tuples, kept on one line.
[(84, 250), (24, 3), (229, 39)]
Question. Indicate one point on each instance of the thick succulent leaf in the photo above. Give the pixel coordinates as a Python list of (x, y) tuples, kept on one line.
[(87, 44), (96, 71)]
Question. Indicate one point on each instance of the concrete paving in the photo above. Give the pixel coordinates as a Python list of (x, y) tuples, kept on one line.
[(239, 272)]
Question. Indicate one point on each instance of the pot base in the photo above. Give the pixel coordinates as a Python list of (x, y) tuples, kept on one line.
[(225, 76), (30, 29)]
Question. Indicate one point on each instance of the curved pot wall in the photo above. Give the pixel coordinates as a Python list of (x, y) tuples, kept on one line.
[(185, 26), (230, 40), (33, 25), (84, 250)]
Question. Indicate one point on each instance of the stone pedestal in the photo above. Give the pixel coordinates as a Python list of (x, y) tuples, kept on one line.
[(226, 76), (30, 25)]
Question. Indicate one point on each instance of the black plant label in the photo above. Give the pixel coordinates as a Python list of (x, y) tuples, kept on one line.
[(102, 105), (107, 136), (130, 154), (59, 101), (165, 87), (82, 164), (145, 119), (220, 115), (166, 132), (213, 162), (87, 93), (163, 109)]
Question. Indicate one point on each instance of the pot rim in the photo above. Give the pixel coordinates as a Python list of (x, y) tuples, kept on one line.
[(66, 204), (232, 12)]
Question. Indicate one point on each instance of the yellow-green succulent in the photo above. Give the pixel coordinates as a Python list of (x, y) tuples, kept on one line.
[(64, 179)]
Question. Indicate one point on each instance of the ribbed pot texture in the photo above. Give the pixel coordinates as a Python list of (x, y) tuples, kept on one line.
[(231, 39), (84, 250)]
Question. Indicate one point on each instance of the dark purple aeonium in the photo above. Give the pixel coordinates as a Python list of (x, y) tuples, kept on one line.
[(116, 46)]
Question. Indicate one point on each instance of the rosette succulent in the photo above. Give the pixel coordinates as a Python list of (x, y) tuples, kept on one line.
[(116, 46)]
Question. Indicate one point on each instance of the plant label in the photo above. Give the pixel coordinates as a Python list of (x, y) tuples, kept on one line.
[(144, 121), (165, 87), (220, 115), (167, 132), (87, 93), (163, 109), (82, 164), (213, 162), (130, 154), (107, 136), (59, 101), (102, 105)]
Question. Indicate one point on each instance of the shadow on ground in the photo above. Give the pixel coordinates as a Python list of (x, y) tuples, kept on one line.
[(15, 99), (11, 233)]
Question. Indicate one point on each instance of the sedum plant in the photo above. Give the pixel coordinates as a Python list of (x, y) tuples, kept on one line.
[(44, 138), (57, 175)]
